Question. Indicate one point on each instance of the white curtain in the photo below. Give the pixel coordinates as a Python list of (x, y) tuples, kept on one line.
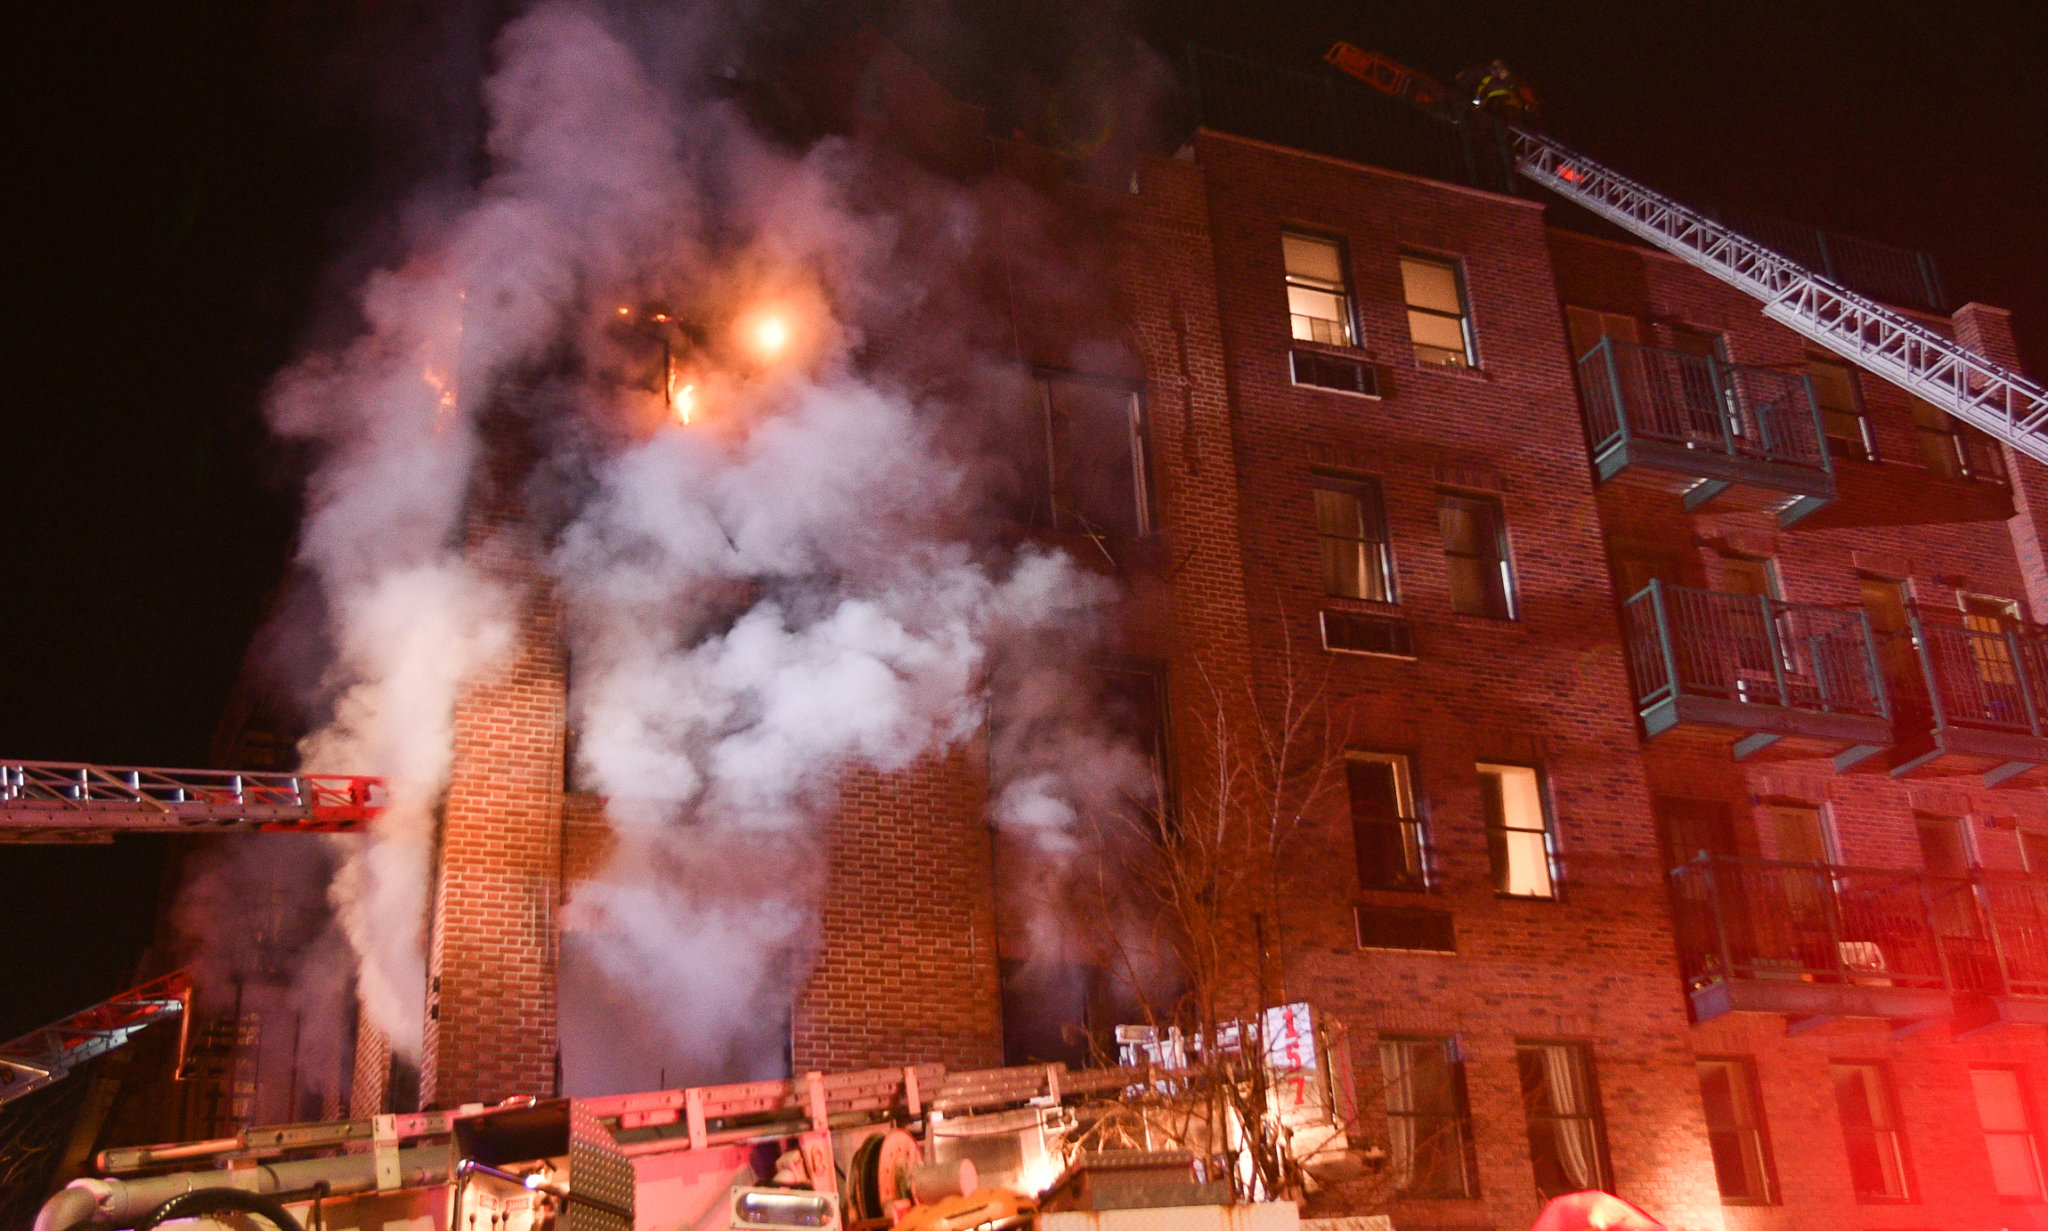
[(1571, 1102), (1398, 1067)]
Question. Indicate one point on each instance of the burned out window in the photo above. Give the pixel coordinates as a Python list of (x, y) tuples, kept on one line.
[(1086, 472)]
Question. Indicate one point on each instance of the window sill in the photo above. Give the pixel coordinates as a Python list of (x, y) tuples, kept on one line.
[(1473, 373), (1552, 898), (1487, 620), (1342, 393)]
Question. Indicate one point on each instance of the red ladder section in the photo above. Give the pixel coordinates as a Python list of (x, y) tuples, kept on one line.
[(44, 1056)]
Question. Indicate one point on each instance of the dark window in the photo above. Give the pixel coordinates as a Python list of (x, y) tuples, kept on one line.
[(1351, 528), (1841, 410), (1133, 707), (1088, 472), (1059, 1010), (1476, 553), (1735, 1131), (1517, 830), (1383, 821), (1956, 450), (1438, 322), (1587, 326), (1318, 293), (1567, 1143), (1944, 850), (1877, 1153), (1800, 833), (2004, 1113), (1689, 828), (1335, 372), (1388, 636), (2034, 853), (1429, 1123), (1416, 929)]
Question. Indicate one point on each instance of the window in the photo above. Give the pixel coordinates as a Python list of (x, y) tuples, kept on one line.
[(1841, 410), (1735, 1131), (1351, 525), (1517, 830), (1437, 321), (1991, 619), (1877, 1154), (2008, 1133), (1887, 602), (1587, 326), (1801, 834), (1750, 576), (1318, 293), (1563, 1109), (1944, 846), (1384, 825), (1955, 450), (1476, 552), (1338, 372), (1088, 474), (1429, 1124), (2034, 853), (1131, 704)]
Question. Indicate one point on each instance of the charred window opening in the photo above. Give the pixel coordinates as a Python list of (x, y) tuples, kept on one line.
[(1086, 470)]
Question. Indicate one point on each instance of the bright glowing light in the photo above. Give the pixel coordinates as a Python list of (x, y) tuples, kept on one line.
[(769, 335), (625, 311), (684, 399)]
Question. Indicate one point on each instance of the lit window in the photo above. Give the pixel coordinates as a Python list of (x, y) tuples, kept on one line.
[(1476, 552), (1735, 1131), (1517, 830), (1563, 1110), (1087, 474), (1877, 1153), (1841, 410), (1383, 822), (1437, 321), (1318, 294), (1352, 529), (2008, 1133), (1429, 1123)]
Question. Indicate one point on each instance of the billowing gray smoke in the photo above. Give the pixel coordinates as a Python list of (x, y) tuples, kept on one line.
[(755, 603)]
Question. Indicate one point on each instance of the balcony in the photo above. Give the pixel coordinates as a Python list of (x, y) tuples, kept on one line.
[(1715, 431), (1767, 670), (1816, 942), (1810, 941), (1970, 700)]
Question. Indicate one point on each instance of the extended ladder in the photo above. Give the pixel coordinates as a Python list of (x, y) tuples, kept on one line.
[(1981, 393), (63, 801), (44, 1056)]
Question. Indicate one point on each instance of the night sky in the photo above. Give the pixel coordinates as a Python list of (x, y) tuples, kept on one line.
[(187, 185)]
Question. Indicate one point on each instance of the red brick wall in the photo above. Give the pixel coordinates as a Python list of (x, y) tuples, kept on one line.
[(491, 1009), (1597, 966), (1871, 814)]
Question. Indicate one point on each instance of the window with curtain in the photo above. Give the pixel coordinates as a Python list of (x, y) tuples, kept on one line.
[(1438, 322), (1351, 526), (1566, 1139), (1735, 1131), (1384, 825), (2008, 1125), (1318, 293), (1517, 830), (1476, 555), (1870, 1127), (1429, 1129)]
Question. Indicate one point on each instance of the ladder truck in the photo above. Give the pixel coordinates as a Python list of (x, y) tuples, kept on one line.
[(1889, 345)]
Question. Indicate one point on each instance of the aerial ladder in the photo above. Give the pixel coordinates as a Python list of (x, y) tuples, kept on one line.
[(45, 1056), (65, 801), (1887, 344)]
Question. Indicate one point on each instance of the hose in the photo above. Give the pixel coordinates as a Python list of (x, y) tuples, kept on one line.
[(213, 1200)]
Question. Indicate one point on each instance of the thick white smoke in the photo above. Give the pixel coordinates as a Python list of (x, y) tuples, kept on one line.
[(753, 607)]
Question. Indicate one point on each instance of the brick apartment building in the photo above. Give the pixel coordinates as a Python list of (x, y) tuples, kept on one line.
[(1685, 812)]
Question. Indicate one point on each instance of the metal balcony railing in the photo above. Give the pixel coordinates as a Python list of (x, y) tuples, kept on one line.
[(1684, 643), (1698, 402), (2016, 914), (1997, 680), (1755, 919)]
